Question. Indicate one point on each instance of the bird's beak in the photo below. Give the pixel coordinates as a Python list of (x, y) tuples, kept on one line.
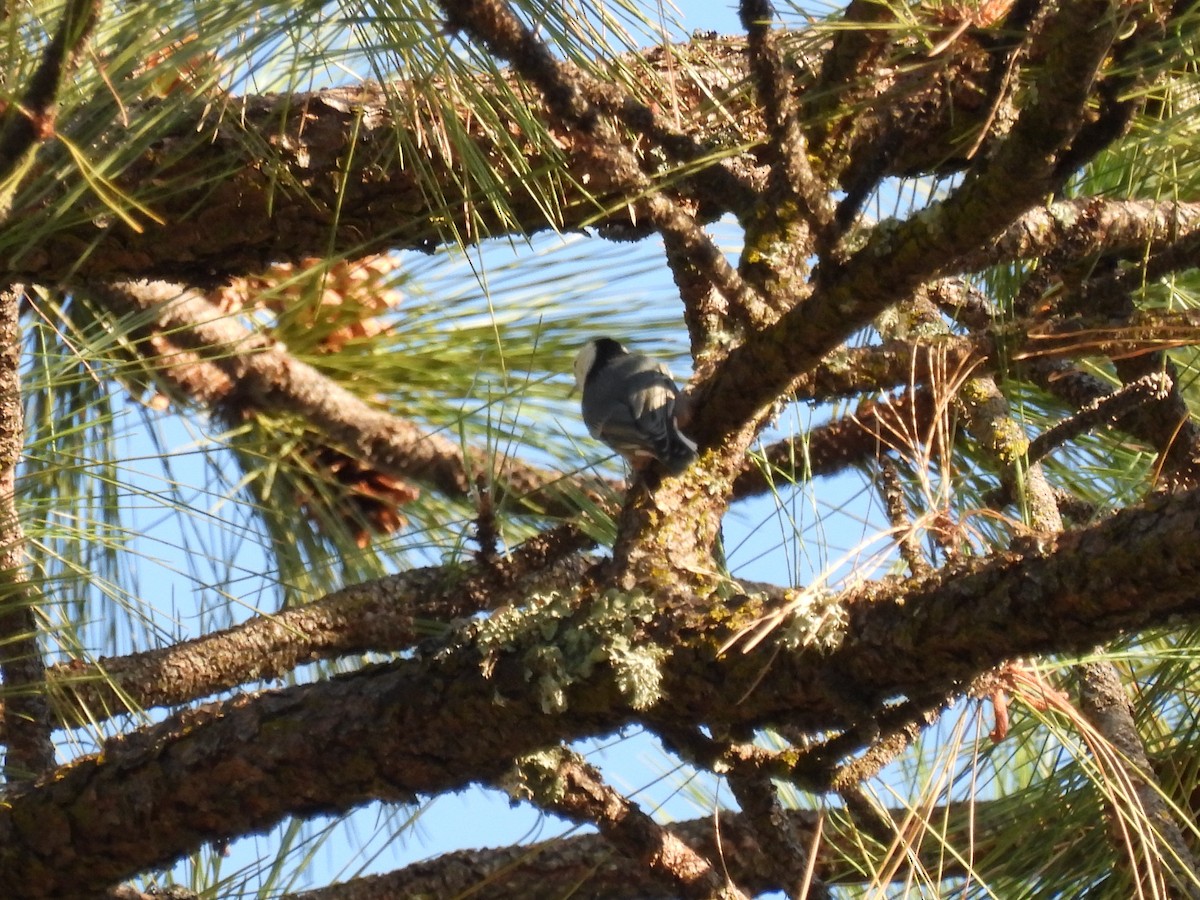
[(573, 391)]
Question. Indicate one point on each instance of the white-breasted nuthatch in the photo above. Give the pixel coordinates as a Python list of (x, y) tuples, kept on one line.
[(631, 403)]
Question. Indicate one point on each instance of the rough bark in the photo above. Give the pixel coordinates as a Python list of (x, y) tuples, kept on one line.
[(433, 724), (29, 747), (382, 616)]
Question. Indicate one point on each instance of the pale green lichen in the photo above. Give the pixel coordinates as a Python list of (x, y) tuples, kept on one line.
[(509, 627), (817, 620), (638, 669), (560, 644)]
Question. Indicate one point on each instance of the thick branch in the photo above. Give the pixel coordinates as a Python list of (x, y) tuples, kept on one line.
[(586, 867), (384, 615), (335, 183), (582, 867), (1074, 229), (427, 726)]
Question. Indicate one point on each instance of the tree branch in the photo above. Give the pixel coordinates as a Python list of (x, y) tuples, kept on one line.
[(436, 724), (791, 858), (262, 375), (24, 125), (387, 615), (1106, 705), (495, 25), (553, 869), (1075, 229), (562, 782), (584, 867), (1105, 410), (293, 209), (854, 439), (897, 257), (792, 177)]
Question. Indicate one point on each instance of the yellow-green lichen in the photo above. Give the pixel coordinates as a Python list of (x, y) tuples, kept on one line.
[(1011, 441), (537, 777)]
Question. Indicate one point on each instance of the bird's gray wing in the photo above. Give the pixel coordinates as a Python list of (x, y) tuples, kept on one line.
[(631, 414), (632, 408), (618, 428), (653, 409)]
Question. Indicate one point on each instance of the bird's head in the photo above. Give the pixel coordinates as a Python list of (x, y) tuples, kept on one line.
[(592, 354)]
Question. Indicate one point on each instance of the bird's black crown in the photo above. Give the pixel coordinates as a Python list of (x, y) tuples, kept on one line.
[(606, 349)]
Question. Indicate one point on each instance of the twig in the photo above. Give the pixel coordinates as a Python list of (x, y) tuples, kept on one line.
[(752, 768), (715, 298), (893, 500), (1163, 423), (169, 892), (487, 537), (692, 242), (852, 440), (1100, 412), (579, 98), (1166, 423), (749, 769), (851, 61)]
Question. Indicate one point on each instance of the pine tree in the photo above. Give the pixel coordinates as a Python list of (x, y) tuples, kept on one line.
[(302, 531)]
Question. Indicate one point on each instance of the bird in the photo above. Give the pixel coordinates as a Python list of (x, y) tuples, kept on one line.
[(632, 403)]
